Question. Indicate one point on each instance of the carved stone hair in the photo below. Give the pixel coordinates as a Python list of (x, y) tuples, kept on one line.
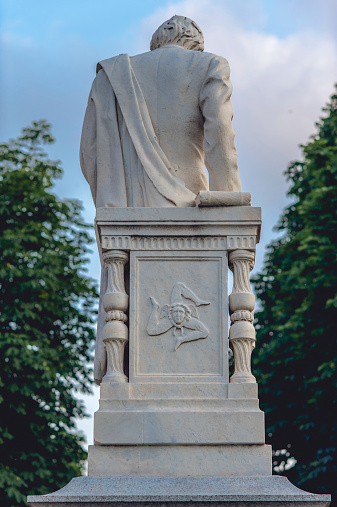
[(178, 30)]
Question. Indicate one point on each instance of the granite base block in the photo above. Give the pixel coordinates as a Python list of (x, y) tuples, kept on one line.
[(161, 427), (272, 491), (179, 460)]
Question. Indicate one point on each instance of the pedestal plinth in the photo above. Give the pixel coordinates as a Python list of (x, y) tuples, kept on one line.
[(256, 491), (172, 425), (179, 414)]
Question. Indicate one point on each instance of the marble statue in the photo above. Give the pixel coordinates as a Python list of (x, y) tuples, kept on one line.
[(152, 123), (174, 425), (154, 120)]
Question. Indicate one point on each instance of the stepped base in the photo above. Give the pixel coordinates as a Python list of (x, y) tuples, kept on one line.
[(272, 491), (179, 460)]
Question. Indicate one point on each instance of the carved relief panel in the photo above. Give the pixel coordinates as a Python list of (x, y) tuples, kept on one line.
[(179, 330), (179, 316)]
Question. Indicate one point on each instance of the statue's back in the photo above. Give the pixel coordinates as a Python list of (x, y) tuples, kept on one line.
[(155, 120), (171, 79)]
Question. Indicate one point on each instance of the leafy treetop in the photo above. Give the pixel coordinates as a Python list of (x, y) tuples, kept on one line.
[(46, 323), (296, 354)]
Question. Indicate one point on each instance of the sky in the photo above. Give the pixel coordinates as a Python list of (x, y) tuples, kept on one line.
[(283, 59)]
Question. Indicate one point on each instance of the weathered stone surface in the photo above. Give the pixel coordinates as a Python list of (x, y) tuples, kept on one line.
[(161, 284), (178, 259), (179, 460), (244, 395), (178, 390), (242, 391), (117, 224), (218, 198), (136, 148), (199, 426), (180, 491)]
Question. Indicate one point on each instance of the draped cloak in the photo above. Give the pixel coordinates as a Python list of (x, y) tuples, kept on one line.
[(126, 141)]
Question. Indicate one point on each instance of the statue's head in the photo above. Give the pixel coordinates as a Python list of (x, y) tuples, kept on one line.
[(178, 30)]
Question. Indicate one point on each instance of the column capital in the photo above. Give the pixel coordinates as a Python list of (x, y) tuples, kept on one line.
[(115, 255), (241, 255)]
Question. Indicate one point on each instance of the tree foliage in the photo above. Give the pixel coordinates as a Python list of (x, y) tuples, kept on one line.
[(296, 353), (46, 303)]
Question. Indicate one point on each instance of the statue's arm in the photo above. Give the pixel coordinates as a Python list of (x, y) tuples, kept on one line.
[(216, 107)]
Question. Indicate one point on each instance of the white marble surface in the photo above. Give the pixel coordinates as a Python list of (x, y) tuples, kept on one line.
[(215, 392), (196, 233), (179, 460), (178, 401), (154, 120), (178, 426), (220, 198), (166, 278)]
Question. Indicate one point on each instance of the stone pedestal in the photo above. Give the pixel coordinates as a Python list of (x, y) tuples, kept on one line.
[(172, 425), (179, 414)]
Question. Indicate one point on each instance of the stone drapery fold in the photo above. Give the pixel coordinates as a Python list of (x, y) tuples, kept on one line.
[(123, 146)]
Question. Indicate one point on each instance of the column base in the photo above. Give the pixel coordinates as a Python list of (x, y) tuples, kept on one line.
[(115, 378)]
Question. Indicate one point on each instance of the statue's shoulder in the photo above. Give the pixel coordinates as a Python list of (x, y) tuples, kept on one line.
[(215, 58), (203, 58), (108, 63)]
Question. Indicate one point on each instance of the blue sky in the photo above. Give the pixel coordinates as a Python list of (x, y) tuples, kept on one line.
[(283, 58)]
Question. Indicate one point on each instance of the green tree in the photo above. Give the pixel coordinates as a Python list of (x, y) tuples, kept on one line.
[(46, 303), (296, 354)]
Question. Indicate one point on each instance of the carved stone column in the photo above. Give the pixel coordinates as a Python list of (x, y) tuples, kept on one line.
[(241, 309), (115, 304)]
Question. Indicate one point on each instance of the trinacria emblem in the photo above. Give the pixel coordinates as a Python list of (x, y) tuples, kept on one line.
[(181, 317)]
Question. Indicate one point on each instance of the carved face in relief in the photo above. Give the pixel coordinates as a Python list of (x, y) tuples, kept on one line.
[(178, 314)]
